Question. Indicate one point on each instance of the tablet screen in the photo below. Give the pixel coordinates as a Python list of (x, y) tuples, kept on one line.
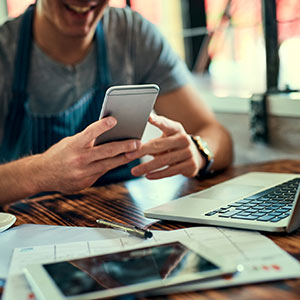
[(136, 266)]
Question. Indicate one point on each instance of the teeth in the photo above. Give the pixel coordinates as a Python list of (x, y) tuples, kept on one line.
[(79, 9)]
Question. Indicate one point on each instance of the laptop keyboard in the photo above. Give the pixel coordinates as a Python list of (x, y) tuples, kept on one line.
[(270, 205)]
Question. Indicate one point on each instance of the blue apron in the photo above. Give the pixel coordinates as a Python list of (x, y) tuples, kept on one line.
[(28, 133)]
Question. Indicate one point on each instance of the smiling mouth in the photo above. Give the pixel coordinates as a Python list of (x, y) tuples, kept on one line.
[(79, 9)]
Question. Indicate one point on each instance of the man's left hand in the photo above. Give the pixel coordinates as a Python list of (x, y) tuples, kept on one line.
[(173, 152)]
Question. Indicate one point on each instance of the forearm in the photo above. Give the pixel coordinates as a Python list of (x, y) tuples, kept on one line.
[(20, 179)]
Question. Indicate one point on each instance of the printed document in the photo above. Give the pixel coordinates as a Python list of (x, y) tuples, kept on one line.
[(263, 260)]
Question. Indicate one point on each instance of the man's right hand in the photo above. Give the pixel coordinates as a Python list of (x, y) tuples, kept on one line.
[(75, 163)]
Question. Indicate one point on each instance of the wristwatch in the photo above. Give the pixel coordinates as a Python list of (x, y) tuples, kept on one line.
[(206, 154)]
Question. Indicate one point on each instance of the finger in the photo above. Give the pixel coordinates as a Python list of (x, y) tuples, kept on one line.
[(112, 149), (170, 171), (88, 135), (168, 126), (161, 161), (103, 166), (161, 145)]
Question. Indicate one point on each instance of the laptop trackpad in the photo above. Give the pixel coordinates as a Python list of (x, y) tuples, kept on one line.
[(227, 192)]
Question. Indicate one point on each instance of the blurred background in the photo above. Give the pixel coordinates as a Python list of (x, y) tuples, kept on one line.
[(244, 56)]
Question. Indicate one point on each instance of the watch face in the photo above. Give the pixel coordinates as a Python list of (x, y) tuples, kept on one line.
[(203, 147), (208, 153)]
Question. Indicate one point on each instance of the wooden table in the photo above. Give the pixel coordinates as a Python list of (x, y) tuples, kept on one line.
[(125, 202)]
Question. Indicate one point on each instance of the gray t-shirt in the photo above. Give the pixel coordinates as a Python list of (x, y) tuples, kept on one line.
[(137, 53)]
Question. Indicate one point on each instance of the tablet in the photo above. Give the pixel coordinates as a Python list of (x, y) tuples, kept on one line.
[(130, 271), (131, 105)]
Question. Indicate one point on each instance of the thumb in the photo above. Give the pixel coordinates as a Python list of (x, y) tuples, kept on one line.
[(97, 128)]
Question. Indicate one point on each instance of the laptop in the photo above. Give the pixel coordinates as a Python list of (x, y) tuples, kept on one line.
[(256, 200)]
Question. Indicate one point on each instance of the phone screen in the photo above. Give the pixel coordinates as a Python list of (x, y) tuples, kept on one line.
[(122, 269)]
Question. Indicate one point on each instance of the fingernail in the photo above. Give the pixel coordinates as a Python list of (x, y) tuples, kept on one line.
[(134, 145), (137, 144), (111, 121), (134, 172)]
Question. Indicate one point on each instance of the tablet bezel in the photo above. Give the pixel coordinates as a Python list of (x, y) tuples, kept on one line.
[(45, 288)]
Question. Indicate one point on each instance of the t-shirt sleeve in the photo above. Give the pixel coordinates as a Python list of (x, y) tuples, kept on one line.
[(155, 60)]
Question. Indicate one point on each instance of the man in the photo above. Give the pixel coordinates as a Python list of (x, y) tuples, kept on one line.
[(59, 59)]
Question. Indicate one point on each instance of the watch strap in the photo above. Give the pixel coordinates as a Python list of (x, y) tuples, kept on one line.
[(205, 153)]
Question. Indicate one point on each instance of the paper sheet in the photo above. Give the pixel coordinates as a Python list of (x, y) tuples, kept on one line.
[(37, 235), (263, 260)]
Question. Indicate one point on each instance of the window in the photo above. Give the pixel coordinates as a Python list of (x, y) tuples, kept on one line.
[(236, 45), (288, 18)]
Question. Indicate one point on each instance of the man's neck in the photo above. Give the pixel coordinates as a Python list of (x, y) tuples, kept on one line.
[(64, 49)]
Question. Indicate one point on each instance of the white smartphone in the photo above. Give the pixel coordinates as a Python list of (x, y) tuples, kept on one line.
[(131, 105), (136, 270)]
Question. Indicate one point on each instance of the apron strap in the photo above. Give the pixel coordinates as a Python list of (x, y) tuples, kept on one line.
[(15, 116), (22, 58), (103, 78)]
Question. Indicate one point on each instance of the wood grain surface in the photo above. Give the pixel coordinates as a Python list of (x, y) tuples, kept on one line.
[(125, 203)]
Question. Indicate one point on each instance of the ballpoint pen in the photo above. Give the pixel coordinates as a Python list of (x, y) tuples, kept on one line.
[(139, 232)]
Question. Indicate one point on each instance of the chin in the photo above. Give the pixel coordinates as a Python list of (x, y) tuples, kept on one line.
[(70, 18)]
